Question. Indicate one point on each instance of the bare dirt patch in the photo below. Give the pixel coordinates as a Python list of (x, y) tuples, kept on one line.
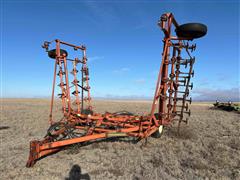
[(209, 146)]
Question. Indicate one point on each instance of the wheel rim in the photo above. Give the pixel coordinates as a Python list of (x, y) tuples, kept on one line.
[(160, 129)]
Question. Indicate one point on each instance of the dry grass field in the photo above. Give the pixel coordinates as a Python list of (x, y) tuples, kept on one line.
[(207, 148)]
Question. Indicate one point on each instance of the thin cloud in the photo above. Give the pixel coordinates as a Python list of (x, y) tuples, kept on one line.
[(123, 97), (94, 58), (206, 94), (222, 77), (141, 26), (102, 14), (203, 82), (122, 70), (140, 81)]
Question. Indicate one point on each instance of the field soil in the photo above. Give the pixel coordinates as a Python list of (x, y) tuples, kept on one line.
[(207, 148)]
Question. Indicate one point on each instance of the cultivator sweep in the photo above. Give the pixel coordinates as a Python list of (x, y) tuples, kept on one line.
[(81, 124)]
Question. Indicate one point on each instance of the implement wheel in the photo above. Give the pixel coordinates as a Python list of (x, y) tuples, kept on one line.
[(191, 30), (158, 133), (52, 53)]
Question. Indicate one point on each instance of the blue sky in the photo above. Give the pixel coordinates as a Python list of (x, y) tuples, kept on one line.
[(124, 45)]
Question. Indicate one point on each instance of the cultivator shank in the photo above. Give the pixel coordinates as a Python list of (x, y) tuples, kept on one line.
[(81, 124)]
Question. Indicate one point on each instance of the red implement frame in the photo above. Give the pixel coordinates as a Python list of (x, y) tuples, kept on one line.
[(78, 126)]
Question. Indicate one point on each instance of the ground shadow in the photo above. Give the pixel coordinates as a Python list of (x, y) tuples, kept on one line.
[(228, 109), (4, 127), (183, 133), (74, 148), (76, 174)]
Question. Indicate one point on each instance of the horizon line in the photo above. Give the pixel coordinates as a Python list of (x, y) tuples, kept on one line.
[(119, 98)]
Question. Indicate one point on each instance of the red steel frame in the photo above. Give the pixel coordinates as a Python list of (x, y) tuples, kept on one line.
[(77, 127), (61, 62)]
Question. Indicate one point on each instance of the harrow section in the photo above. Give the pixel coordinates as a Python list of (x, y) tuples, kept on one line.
[(69, 88), (81, 124)]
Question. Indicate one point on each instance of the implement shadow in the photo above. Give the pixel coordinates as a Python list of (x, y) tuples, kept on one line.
[(76, 174)]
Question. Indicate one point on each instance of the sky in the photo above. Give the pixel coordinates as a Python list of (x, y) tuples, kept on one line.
[(124, 45)]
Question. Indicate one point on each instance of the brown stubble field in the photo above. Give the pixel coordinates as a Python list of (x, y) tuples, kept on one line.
[(208, 147)]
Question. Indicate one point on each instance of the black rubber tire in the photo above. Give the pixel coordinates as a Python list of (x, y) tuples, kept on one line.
[(124, 113), (52, 53), (87, 111), (157, 134), (191, 30)]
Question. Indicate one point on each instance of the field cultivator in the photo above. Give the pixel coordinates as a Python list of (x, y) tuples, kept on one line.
[(81, 124), (229, 106)]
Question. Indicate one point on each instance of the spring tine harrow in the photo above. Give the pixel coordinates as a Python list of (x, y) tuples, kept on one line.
[(81, 124)]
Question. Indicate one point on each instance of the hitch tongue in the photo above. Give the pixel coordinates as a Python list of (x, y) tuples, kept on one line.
[(33, 154)]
